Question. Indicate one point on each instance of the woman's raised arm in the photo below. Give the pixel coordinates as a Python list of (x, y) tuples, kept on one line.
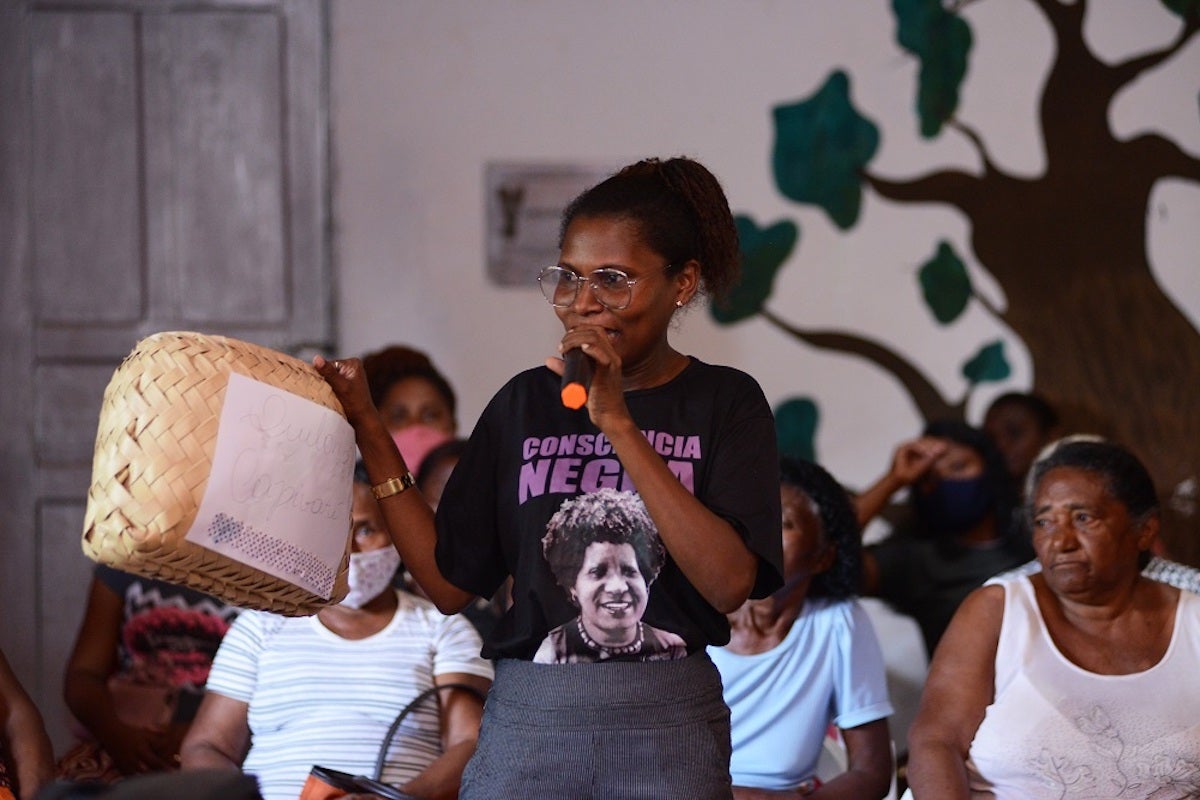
[(409, 518)]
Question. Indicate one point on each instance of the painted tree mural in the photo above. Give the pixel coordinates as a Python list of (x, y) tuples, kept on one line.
[(1067, 246)]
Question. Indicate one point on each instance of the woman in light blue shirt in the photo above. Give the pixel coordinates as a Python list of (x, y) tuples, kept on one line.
[(807, 656)]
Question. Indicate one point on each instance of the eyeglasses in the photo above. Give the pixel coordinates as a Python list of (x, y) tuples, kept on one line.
[(611, 287)]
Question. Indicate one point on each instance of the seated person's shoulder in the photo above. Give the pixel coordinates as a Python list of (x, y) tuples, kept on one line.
[(253, 629), (452, 631), (986, 602), (1181, 576), (1010, 575), (833, 611), (845, 621), (419, 608)]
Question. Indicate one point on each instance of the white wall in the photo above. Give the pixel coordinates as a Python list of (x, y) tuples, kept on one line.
[(425, 92)]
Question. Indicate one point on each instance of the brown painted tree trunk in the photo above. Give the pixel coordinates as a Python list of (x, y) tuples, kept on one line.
[(1109, 348), (1118, 358)]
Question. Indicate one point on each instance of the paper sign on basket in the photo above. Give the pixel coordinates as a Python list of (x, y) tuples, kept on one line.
[(278, 496)]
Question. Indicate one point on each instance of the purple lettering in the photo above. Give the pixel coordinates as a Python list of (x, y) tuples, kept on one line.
[(533, 479), (690, 448), (603, 473), (564, 477), (685, 471)]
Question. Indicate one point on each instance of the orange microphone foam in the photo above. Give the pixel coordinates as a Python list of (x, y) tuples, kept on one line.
[(574, 395)]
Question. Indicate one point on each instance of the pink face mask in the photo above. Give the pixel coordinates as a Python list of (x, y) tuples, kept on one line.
[(415, 442)]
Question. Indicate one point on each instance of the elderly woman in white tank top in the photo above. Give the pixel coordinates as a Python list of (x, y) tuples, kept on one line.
[(1081, 681)]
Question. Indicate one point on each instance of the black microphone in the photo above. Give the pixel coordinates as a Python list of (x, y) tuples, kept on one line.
[(576, 378)]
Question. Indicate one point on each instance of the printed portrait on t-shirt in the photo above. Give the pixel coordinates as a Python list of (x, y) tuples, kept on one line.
[(605, 552)]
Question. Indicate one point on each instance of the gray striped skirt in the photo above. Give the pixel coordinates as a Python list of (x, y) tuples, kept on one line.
[(623, 730)]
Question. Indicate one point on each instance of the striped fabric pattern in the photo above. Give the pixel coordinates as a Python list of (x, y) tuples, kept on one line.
[(316, 698)]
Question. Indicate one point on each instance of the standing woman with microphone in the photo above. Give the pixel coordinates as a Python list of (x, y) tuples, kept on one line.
[(599, 712)]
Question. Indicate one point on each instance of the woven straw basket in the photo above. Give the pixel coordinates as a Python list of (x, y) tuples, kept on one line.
[(154, 451)]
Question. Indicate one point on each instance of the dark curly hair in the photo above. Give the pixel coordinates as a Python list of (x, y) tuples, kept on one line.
[(395, 363), (680, 211), (839, 527), (607, 515)]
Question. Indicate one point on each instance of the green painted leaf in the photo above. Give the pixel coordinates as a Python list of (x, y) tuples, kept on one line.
[(989, 364), (764, 250), (1188, 9), (945, 284), (796, 427), (821, 147), (941, 40)]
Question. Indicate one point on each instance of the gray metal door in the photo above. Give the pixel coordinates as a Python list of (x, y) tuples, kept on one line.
[(163, 166)]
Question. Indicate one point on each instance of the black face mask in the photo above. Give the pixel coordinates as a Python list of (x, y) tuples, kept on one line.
[(953, 507)]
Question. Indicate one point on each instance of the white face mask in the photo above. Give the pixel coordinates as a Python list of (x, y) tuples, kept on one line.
[(370, 574)]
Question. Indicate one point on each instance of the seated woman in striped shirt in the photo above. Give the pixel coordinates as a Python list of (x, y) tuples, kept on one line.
[(287, 693)]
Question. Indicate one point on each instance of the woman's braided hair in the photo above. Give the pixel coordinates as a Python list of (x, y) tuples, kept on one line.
[(680, 211)]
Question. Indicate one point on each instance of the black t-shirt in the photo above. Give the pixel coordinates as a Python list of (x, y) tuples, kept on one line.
[(528, 455), (927, 578)]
